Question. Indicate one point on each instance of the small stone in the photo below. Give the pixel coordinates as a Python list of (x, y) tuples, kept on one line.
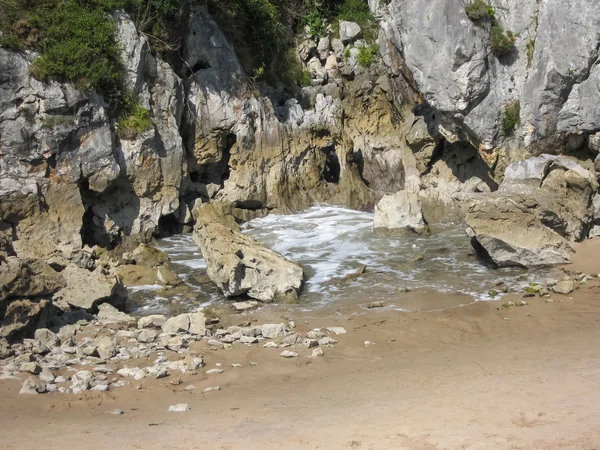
[(271, 331), (288, 354), (103, 369), (317, 352), (270, 344), (367, 343), (116, 412), (46, 375), (51, 387), (550, 282), (162, 373), (337, 330), (215, 343), (549, 300), (248, 340), (189, 388), (523, 303), (147, 336), (375, 305), (175, 343), (315, 334), (244, 306), (153, 321), (32, 386), (327, 341), (210, 389), (106, 347), (236, 365), (100, 387), (60, 379), (310, 343), (254, 364), (107, 313), (193, 362), (563, 287), (181, 407), (291, 324), (211, 371)]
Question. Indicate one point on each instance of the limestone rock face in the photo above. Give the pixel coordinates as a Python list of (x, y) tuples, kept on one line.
[(450, 60), (400, 211), (87, 290), (543, 203), (239, 265)]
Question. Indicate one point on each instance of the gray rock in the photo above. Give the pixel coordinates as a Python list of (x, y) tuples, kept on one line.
[(564, 287), (244, 306), (327, 341), (47, 376), (310, 343), (248, 340), (153, 321), (116, 412), (47, 339), (210, 389), (272, 330), (109, 314), (106, 347), (194, 323), (239, 265), (87, 289), (32, 386), (31, 367), (181, 407), (337, 330), (317, 352), (349, 31), (146, 336), (288, 354), (211, 371), (175, 343), (306, 49), (400, 211)]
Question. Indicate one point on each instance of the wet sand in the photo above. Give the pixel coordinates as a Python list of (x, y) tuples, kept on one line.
[(473, 377)]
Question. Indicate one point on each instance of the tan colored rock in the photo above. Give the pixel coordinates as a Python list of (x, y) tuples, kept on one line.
[(87, 289), (400, 211), (239, 265)]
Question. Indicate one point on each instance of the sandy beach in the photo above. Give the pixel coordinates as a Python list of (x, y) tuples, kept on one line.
[(474, 377)]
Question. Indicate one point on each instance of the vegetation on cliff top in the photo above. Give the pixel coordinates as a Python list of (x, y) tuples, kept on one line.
[(76, 39)]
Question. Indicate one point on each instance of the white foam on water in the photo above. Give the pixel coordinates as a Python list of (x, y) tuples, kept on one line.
[(332, 242)]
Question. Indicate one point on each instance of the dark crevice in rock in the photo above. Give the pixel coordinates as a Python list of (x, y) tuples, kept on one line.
[(332, 169), (169, 225)]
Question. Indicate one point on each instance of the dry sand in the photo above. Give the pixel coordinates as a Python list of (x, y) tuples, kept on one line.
[(474, 377)]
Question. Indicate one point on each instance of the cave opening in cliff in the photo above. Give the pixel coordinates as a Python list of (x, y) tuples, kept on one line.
[(332, 169), (168, 225)]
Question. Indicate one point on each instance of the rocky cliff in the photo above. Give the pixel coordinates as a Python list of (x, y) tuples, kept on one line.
[(436, 112)]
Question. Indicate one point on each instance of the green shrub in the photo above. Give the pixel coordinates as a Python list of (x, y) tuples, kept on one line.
[(135, 119), (477, 10), (503, 42), (79, 46), (366, 55), (11, 42), (355, 11), (316, 22), (512, 117), (292, 74), (347, 51)]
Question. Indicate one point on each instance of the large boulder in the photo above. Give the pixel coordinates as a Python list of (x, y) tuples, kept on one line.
[(512, 236), (88, 289), (239, 265), (542, 204), (23, 316), (400, 211)]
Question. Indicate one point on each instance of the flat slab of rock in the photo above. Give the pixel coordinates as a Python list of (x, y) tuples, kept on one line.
[(109, 314), (239, 265), (194, 323), (181, 407)]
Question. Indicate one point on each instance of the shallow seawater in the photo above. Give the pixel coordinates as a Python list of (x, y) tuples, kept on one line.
[(332, 243)]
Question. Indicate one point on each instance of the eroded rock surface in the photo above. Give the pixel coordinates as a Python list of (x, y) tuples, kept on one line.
[(239, 265)]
